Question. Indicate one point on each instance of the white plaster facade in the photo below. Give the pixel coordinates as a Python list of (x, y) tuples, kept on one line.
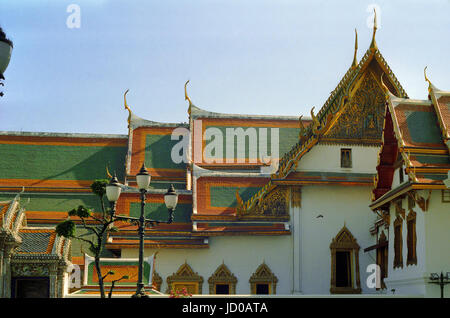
[(432, 248)]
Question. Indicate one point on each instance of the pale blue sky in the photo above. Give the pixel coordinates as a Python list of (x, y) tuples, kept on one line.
[(277, 57)]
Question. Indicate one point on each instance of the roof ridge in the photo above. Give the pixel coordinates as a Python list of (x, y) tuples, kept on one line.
[(321, 123)]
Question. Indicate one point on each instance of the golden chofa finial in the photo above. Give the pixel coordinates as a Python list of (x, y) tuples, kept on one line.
[(385, 88), (373, 45), (108, 174), (355, 61), (186, 97), (427, 80), (126, 107)]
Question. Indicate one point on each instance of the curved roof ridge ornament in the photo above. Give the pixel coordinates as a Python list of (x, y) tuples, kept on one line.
[(373, 45), (107, 173), (430, 85), (355, 61), (186, 97), (387, 92), (127, 108)]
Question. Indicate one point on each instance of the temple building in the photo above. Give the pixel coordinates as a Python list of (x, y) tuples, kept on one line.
[(266, 204), (412, 192)]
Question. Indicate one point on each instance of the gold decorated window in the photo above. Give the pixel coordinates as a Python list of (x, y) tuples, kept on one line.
[(263, 281), (222, 281), (398, 242), (411, 239), (185, 277), (345, 278)]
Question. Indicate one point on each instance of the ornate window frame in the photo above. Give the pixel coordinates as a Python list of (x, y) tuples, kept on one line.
[(346, 152), (185, 276), (411, 239), (344, 241), (156, 281), (398, 242), (222, 275), (383, 254), (263, 275)]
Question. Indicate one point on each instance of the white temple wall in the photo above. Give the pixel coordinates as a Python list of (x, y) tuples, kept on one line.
[(409, 279), (433, 253), (338, 205), (437, 244), (328, 158), (241, 254)]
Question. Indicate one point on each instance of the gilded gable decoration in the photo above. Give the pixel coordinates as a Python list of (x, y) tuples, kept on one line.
[(274, 205), (185, 277), (421, 201), (222, 275), (358, 87), (263, 275), (363, 117)]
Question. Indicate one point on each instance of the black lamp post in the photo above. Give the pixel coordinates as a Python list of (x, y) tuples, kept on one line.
[(440, 280), (113, 190)]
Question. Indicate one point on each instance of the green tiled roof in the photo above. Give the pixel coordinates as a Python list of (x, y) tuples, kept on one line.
[(423, 127), (433, 159), (34, 242), (52, 162), (287, 138), (226, 196), (158, 152), (55, 202), (158, 211)]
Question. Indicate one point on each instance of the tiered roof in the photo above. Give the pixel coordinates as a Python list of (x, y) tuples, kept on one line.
[(415, 133)]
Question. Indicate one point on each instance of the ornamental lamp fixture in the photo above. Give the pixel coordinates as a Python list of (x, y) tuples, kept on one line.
[(143, 178), (6, 46), (113, 189), (171, 198)]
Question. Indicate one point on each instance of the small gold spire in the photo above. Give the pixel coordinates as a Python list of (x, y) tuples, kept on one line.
[(186, 97), (355, 61), (373, 45), (126, 107)]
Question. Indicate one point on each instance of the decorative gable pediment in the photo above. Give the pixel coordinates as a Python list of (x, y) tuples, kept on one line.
[(362, 116), (185, 274), (344, 239), (222, 275)]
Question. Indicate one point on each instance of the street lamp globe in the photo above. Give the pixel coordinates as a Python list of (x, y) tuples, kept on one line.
[(143, 178), (171, 198), (113, 189)]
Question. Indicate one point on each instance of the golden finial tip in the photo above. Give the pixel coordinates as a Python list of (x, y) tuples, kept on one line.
[(375, 27), (107, 173), (186, 97), (126, 107), (355, 61)]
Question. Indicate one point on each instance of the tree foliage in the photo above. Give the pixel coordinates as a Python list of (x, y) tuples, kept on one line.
[(98, 224)]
